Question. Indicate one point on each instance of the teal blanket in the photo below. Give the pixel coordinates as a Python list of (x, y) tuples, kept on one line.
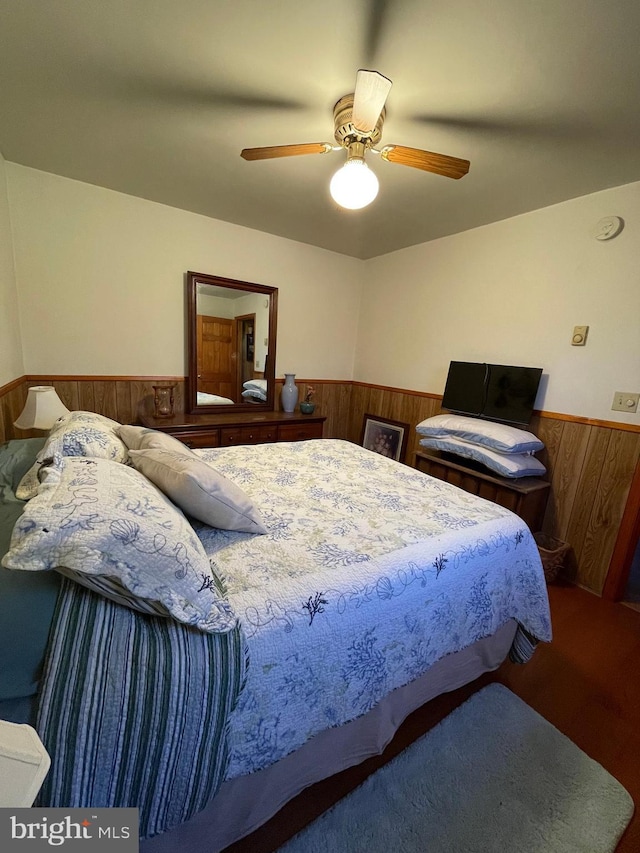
[(27, 599)]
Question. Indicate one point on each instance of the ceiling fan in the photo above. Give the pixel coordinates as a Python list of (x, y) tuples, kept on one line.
[(358, 120)]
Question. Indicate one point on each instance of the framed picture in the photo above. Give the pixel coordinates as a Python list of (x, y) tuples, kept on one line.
[(389, 438)]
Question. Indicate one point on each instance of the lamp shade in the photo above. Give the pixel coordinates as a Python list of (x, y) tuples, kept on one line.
[(42, 409), (354, 185)]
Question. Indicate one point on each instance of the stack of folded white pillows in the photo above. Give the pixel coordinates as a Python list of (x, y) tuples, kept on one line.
[(506, 450)]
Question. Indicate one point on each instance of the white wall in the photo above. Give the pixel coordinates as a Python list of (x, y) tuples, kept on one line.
[(511, 293), (100, 277), (11, 364), (100, 284), (215, 306)]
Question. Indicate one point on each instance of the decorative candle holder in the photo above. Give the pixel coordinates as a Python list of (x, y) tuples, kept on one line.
[(163, 400)]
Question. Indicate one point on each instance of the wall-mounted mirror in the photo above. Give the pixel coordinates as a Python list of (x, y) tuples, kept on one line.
[(231, 333)]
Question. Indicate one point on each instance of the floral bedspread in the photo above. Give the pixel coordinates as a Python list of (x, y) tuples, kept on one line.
[(370, 572)]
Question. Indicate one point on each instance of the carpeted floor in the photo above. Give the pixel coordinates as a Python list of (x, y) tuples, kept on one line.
[(493, 777)]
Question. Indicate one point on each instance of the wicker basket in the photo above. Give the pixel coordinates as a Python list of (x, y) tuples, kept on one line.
[(552, 553)]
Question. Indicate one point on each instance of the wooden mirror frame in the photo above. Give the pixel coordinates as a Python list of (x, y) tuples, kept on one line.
[(194, 279)]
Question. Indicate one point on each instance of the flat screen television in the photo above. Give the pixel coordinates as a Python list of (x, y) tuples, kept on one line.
[(494, 392)]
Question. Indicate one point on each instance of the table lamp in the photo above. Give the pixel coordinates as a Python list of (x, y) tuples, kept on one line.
[(42, 409)]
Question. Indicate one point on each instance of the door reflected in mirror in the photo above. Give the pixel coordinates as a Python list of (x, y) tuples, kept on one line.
[(232, 343)]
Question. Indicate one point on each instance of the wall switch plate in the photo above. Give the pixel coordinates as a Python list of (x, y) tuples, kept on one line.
[(579, 337), (625, 401)]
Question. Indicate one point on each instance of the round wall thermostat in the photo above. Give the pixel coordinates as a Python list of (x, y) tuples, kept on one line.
[(608, 227)]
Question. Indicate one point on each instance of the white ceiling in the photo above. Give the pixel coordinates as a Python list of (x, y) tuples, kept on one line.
[(156, 98)]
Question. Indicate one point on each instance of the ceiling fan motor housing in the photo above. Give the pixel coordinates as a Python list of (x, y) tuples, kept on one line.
[(344, 131)]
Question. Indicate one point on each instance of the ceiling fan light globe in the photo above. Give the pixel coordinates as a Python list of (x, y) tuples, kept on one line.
[(354, 186)]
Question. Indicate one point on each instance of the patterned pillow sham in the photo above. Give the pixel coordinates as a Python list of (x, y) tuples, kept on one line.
[(106, 526), (76, 434), (199, 490), (504, 464), (501, 437)]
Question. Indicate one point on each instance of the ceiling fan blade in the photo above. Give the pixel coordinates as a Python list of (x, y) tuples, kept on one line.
[(428, 161), (538, 127), (166, 90), (273, 151), (369, 99), (375, 23)]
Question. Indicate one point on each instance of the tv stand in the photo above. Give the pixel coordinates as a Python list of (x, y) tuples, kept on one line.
[(526, 496)]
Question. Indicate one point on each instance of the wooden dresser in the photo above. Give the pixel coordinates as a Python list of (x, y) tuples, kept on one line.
[(526, 496), (226, 429)]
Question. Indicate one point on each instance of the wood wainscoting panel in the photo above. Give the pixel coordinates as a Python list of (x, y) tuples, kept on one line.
[(397, 405), (139, 389), (590, 463), (104, 398), (12, 400), (124, 403), (114, 397), (68, 392), (550, 432), (87, 399), (418, 409), (588, 478), (626, 544), (360, 405), (332, 399), (564, 455), (607, 507)]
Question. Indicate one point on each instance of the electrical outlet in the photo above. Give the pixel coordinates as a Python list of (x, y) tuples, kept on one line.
[(625, 401)]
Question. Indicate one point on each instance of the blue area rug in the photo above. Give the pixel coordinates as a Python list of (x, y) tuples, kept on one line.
[(493, 777)]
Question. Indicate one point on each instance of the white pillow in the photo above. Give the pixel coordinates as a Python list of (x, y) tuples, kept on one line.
[(502, 437), (256, 385), (143, 438), (109, 528), (254, 394), (76, 434), (199, 490), (504, 464)]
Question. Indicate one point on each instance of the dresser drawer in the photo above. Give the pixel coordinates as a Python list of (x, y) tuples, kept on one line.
[(202, 438), (248, 435), (299, 432), (226, 429)]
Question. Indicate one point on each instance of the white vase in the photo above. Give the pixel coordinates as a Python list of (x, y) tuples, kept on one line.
[(289, 393)]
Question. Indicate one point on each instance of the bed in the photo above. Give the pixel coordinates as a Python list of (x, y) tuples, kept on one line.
[(374, 588), (204, 399)]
